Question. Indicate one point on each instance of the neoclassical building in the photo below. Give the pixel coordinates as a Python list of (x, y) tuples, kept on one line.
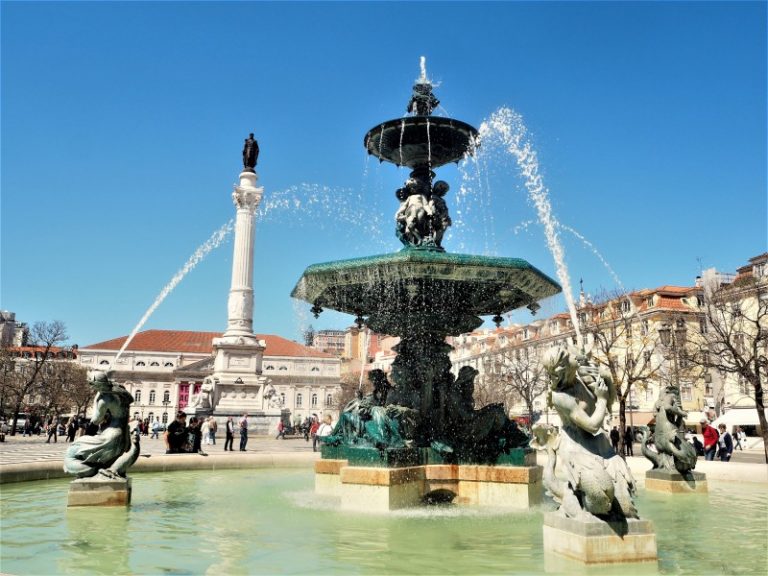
[(164, 368)]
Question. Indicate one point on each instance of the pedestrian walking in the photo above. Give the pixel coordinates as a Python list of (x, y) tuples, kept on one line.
[(724, 444), (280, 430), (243, 424), (738, 438), (710, 439), (313, 432), (230, 434), (52, 430), (155, 429), (212, 428), (205, 428)]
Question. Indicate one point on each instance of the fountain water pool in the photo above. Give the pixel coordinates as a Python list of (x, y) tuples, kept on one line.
[(269, 521)]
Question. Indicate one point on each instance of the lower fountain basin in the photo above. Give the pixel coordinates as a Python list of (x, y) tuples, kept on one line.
[(447, 291), (270, 521)]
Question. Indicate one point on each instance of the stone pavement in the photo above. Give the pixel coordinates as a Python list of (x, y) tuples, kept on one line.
[(21, 450)]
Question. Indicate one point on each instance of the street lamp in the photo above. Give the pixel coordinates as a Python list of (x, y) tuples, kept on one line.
[(165, 405)]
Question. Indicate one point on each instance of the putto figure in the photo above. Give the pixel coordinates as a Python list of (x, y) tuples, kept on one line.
[(115, 448), (250, 153), (584, 474)]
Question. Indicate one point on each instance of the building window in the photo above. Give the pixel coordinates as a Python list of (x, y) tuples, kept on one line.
[(166, 396), (168, 364), (283, 368), (644, 328), (269, 367), (155, 364), (137, 396), (165, 417), (135, 415), (314, 400), (686, 392), (299, 400), (625, 307), (151, 396), (282, 398), (315, 369), (329, 399), (140, 363), (151, 417)]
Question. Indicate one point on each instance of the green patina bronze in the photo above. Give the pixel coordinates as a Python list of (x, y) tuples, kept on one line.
[(422, 294)]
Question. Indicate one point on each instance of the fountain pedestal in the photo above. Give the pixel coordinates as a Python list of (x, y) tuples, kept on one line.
[(375, 488), (99, 491), (600, 542), (675, 483)]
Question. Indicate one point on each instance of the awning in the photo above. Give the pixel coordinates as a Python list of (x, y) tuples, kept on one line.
[(695, 417), (739, 417)]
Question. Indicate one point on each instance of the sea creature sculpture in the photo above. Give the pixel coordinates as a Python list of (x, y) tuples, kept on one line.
[(672, 452), (114, 449), (584, 474)]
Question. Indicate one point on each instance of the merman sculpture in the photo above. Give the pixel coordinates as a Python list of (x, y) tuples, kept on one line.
[(583, 473), (115, 448)]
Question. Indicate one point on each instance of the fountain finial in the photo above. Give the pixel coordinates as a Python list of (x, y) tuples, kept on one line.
[(422, 100)]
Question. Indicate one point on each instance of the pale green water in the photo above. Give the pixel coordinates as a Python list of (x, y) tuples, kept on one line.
[(271, 522)]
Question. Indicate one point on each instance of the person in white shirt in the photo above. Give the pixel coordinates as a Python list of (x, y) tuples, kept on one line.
[(325, 429)]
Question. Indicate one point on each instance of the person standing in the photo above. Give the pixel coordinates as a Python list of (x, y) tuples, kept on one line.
[(230, 434), (615, 439), (212, 428), (280, 430), (710, 439), (155, 429), (52, 430), (243, 431), (628, 442), (323, 431), (725, 444), (313, 432)]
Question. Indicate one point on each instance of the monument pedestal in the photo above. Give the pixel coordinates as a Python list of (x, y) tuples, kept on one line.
[(675, 483), (99, 491), (368, 481), (599, 542)]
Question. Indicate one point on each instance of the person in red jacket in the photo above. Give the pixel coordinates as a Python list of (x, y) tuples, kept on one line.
[(710, 439)]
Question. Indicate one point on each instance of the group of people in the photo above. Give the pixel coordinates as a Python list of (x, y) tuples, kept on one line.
[(181, 437), (616, 437), (311, 427), (719, 442)]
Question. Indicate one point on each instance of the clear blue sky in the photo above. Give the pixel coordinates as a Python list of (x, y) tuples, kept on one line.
[(122, 126)]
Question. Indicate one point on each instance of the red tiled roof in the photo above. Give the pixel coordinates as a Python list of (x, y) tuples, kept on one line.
[(200, 343)]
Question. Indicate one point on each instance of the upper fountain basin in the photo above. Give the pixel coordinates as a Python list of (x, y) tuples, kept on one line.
[(416, 141), (424, 290)]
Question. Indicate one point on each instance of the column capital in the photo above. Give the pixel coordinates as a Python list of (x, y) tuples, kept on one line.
[(247, 195)]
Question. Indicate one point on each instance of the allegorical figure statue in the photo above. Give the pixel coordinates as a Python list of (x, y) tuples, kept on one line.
[(584, 474), (250, 153), (672, 452), (201, 402), (115, 448), (369, 421)]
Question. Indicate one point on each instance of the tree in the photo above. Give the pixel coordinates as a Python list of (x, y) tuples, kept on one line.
[(349, 385), (65, 389), (31, 373), (736, 335), (513, 375), (623, 344)]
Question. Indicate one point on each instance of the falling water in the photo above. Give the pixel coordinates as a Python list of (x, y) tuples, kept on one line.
[(423, 65), (402, 131), (429, 145), (213, 242), (507, 126)]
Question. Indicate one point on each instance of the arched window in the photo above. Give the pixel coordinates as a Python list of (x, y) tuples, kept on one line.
[(104, 363), (315, 369), (140, 363), (314, 400), (166, 396), (329, 399), (135, 415), (151, 396), (151, 417), (299, 400), (283, 368), (137, 396), (168, 364), (282, 398), (270, 367), (165, 417), (155, 364)]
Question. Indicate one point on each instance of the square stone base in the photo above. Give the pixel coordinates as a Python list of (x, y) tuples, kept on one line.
[(598, 542), (377, 489), (99, 492), (675, 483)]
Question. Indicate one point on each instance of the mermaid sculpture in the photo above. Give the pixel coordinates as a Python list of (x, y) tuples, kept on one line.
[(583, 473), (672, 452), (115, 448)]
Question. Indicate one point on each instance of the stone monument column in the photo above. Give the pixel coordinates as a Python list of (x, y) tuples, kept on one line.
[(239, 352)]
